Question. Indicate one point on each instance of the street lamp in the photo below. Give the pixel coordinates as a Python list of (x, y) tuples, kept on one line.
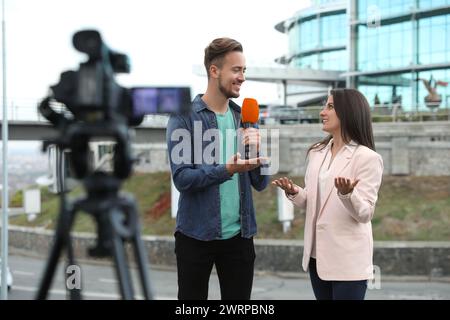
[(4, 271)]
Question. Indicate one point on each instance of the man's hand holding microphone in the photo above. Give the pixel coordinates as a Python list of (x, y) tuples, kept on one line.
[(250, 138)]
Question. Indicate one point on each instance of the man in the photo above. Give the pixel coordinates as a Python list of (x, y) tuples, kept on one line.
[(216, 219)]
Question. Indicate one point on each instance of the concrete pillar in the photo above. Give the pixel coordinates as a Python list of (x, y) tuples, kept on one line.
[(284, 151), (32, 203), (351, 42), (400, 156), (285, 210), (175, 195), (284, 86)]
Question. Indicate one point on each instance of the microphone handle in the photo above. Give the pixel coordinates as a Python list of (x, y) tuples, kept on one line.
[(247, 125)]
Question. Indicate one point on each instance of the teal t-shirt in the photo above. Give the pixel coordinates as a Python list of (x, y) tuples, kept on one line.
[(229, 190)]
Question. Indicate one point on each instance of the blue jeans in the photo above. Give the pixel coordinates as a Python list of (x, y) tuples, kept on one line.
[(335, 290)]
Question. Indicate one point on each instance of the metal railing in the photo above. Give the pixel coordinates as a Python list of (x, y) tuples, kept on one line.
[(379, 114), (29, 112), (23, 113)]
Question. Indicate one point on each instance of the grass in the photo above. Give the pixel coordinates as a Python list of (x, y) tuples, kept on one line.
[(414, 208), (408, 208)]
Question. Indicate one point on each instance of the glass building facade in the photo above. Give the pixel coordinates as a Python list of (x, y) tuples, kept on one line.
[(318, 41), (391, 50)]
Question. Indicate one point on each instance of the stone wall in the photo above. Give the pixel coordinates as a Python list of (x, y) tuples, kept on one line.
[(417, 149), (407, 148)]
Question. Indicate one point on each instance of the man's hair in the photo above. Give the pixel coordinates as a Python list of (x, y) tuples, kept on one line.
[(217, 49)]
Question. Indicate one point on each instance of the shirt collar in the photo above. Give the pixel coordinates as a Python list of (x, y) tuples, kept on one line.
[(349, 146), (198, 104)]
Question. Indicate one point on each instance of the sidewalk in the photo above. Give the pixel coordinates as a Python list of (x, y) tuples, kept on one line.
[(99, 282)]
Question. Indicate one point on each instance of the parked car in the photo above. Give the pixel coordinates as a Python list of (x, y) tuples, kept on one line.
[(272, 114)]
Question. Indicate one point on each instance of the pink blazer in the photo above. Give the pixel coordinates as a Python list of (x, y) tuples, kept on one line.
[(344, 242)]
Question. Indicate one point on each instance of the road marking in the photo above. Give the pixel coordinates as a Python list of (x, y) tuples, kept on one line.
[(85, 294), (107, 280), (23, 273)]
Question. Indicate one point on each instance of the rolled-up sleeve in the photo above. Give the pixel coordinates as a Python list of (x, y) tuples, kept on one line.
[(299, 199)]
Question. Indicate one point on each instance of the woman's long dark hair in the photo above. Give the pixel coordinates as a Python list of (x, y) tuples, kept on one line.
[(353, 111)]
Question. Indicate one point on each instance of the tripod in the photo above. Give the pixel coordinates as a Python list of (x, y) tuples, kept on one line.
[(96, 107), (117, 222), (115, 214)]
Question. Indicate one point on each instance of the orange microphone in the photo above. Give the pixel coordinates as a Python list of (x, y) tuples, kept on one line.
[(249, 112), (249, 117)]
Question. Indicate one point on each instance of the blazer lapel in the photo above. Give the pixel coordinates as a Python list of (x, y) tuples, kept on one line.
[(340, 162), (316, 164)]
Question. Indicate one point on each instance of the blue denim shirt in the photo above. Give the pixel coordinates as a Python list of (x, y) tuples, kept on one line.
[(198, 182)]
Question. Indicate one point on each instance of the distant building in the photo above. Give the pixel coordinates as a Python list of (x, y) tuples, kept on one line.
[(384, 48)]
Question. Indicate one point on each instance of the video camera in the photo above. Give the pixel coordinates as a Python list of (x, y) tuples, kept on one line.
[(99, 107)]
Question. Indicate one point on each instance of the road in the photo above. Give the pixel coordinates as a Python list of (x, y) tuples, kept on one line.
[(99, 283)]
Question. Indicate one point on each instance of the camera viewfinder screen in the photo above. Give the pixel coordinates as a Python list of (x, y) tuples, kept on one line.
[(157, 100)]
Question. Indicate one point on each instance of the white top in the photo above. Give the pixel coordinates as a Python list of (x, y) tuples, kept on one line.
[(324, 176)]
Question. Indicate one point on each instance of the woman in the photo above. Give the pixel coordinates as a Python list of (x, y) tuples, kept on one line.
[(342, 180)]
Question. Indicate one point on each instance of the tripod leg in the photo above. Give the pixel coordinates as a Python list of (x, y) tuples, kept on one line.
[(61, 238), (141, 259), (50, 268), (139, 251), (119, 255), (74, 293)]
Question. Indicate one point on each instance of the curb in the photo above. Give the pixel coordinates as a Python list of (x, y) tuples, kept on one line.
[(418, 260)]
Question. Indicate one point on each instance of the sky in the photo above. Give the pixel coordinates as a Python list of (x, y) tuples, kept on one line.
[(163, 39)]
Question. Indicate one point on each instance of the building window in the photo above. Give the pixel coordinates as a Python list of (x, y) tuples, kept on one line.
[(434, 33), (386, 8), (385, 47), (333, 30)]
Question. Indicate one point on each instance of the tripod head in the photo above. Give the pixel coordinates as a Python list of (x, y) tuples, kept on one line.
[(75, 136)]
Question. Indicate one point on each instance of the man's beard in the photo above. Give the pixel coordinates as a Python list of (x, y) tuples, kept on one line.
[(227, 93)]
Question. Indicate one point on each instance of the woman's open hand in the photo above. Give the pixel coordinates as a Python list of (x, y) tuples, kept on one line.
[(344, 185), (287, 185)]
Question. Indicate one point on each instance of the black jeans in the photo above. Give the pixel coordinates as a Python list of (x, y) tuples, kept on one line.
[(234, 259), (335, 290)]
